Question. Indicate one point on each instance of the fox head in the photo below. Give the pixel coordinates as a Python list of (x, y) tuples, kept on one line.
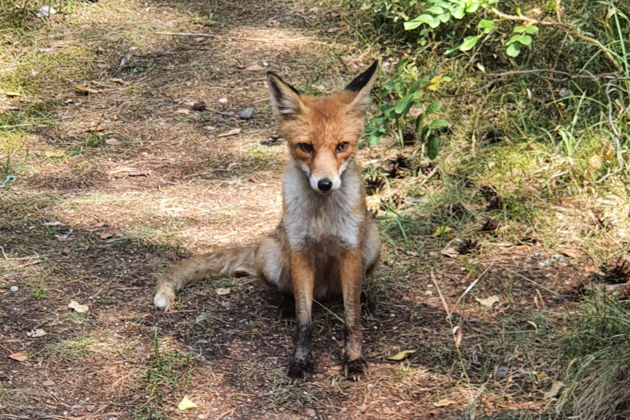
[(322, 133)]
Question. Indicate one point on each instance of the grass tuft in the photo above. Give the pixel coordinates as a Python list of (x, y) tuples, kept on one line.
[(596, 352)]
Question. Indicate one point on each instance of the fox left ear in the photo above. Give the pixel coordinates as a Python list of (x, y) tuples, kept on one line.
[(285, 99), (361, 86)]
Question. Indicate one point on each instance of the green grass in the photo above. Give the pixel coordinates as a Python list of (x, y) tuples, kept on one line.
[(596, 356), (167, 372), (74, 348)]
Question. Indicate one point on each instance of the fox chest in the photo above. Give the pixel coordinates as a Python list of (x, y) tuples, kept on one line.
[(316, 223)]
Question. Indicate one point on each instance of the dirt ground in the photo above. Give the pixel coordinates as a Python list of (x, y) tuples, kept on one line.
[(132, 178)]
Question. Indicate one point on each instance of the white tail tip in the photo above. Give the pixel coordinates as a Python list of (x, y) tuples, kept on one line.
[(162, 300)]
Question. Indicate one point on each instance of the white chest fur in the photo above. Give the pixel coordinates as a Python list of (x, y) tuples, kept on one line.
[(310, 216)]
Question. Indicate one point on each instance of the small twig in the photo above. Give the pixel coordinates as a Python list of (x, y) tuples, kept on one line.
[(329, 311), (614, 76), (448, 311), (616, 137), (4, 127), (227, 413), (471, 286), (536, 284)]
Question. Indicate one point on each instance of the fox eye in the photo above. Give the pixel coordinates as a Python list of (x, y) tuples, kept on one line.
[(342, 147), (306, 148)]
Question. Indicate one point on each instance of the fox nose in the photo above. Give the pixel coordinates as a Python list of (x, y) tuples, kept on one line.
[(324, 184)]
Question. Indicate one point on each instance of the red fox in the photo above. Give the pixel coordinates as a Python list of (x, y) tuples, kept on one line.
[(326, 241)]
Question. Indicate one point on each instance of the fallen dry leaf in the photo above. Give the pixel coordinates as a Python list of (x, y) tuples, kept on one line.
[(78, 307), (402, 355), (556, 386), (255, 67), (85, 90), (449, 252), (570, 252), (186, 404), (457, 336), (489, 301), (222, 291), (230, 133), (444, 403), (20, 357)]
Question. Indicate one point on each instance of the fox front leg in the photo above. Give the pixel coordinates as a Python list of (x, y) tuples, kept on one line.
[(302, 280), (351, 273)]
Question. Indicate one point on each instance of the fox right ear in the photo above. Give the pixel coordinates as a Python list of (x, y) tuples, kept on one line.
[(285, 99)]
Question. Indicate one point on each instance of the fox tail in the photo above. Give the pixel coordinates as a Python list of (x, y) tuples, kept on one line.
[(226, 262)]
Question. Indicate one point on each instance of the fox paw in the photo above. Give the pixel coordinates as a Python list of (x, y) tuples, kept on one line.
[(163, 299), (299, 368), (355, 369)]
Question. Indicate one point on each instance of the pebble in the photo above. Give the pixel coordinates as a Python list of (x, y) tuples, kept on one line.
[(247, 113), (501, 372), (223, 100), (199, 106), (45, 12), (13, 289)]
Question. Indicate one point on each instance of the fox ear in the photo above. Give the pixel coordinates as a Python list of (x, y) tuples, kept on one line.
[(285, 99), (361, 87)]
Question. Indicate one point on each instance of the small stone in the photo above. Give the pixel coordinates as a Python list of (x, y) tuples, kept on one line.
[(112, 142), (564, 92), (247, 113), (48, 383), (13, 289), (199, 106), (45, 12), (501, 372), (223, 100)]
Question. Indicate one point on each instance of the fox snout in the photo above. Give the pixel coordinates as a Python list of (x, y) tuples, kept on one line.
[(323, 182)]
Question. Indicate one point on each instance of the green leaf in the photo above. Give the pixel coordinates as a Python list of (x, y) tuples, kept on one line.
[(444, 17), (441, 230), (473, 7), (433, 107), (419, 121), (435, 10), (414, 87), (403, 105), (486, 25), (531, 29), (423, 134), (469, 43), (373, 140), (435, 124), (520, 29), (521, 39), (458, 12), (433, 147), (422, 19), (513, 50), (411, 25)]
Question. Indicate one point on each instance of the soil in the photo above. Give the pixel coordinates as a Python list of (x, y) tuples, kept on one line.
[(98, 224)]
